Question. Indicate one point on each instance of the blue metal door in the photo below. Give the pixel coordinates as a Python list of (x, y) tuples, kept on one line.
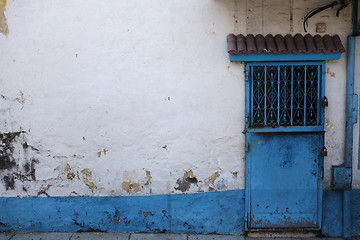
[(284, 141)]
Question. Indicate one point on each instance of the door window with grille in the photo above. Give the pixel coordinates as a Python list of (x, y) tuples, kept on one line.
[(285, 94)]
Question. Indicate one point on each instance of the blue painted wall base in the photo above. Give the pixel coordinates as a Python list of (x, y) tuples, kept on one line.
[(217, 212), (213, 212)]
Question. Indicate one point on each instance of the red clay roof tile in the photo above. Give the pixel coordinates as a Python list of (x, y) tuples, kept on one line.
[(241, 44), (270, 43)]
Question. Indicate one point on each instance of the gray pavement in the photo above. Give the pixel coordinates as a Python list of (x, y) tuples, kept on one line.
[(133, 236)]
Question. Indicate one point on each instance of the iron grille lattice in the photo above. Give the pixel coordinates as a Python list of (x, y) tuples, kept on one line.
[(285, 95)]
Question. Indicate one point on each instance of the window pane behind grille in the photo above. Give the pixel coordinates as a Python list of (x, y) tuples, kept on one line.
[(285, 95)]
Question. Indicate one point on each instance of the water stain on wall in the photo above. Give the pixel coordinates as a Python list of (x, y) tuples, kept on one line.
[(291, 16), (4, 29)]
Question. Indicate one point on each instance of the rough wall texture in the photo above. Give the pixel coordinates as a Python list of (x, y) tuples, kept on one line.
[(134, 98), (356, 166)]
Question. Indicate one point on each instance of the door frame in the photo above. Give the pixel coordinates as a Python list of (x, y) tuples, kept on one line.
[(248, 130)]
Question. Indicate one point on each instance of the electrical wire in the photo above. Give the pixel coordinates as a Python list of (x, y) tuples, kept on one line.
[(320, 9)]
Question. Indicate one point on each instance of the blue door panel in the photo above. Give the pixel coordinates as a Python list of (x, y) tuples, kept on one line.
[(278, 221), (284, 137), (284, 180)]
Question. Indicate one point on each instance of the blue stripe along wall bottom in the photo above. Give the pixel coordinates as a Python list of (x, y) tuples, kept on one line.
[(213, 212)]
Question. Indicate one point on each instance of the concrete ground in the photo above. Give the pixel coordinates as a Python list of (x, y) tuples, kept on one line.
[(132, 236)]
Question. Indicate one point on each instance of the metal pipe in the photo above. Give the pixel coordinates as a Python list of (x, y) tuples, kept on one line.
[(349, 100), (347, 214), (349, 129), (350, 69)]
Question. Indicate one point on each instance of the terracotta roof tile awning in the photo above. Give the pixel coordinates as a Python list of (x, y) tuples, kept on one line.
[(283, 44), (298, 44)]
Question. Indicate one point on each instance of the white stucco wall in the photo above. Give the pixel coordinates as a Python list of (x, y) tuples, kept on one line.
[(130, 97)]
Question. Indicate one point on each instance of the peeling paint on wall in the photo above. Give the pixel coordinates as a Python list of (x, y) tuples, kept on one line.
[(99, 128), (131, 187), (4, 29), (129, 184), (148, 178), (87, 178), (183, 184), (332, 74), (21, 99), (210, 181), (84, 143), (43, 189), (104, 151), (69, 173), (2, 5)]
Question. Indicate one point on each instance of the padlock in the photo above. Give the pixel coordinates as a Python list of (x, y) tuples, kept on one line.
[(324, 152), (325, 102)]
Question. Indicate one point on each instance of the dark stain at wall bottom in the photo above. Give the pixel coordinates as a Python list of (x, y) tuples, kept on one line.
[(29, 168), (10, 169), (9, 182), (7, 149)]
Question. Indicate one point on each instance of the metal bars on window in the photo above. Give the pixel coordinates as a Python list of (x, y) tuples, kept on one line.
[(285, 95)]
